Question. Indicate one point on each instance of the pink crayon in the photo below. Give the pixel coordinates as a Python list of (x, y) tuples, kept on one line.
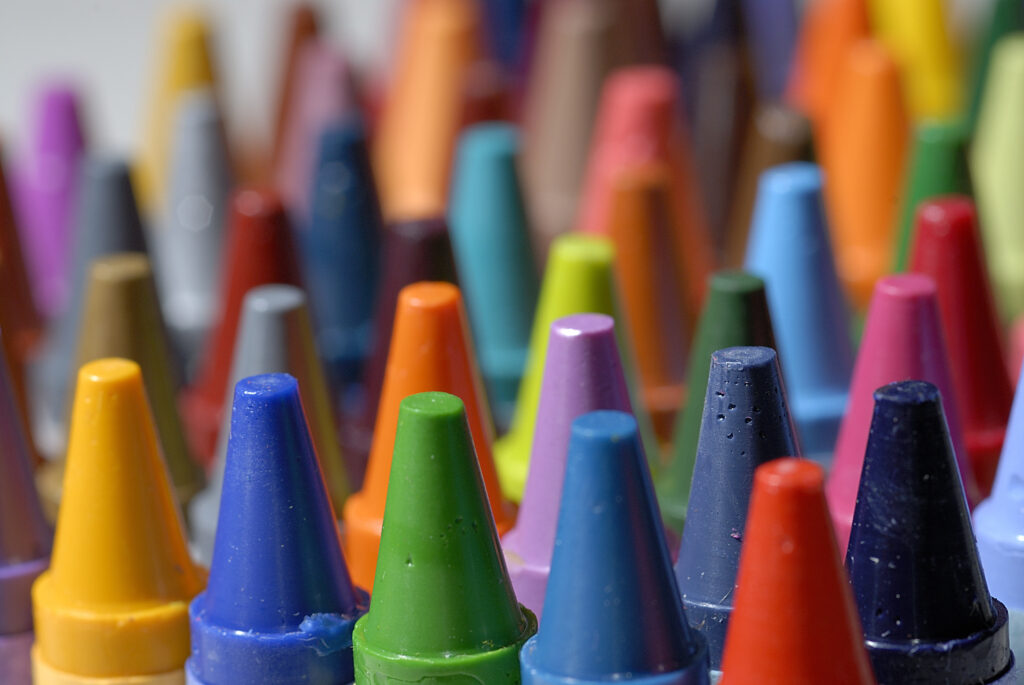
[(903, 340)]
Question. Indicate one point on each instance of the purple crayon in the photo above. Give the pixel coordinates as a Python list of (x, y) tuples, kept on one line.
[(583, 373), (43, 180)]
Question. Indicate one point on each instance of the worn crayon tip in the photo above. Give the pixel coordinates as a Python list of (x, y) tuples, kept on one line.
[(612, 608), (279, 605)]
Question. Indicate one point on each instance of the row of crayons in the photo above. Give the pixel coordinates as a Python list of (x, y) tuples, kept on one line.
[(279, 463)]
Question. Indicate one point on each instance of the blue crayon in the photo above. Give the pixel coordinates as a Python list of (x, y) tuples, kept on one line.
[(771, 27), (919, 587), (494, 258), (506, 23), (340, 247), (612, 610), (280, 606), (789, 248), (999, 525), (745, 423)]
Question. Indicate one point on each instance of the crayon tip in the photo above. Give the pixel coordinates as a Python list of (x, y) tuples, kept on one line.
[(279, 605), (910, 485), (302, 27), (790, 249), (274, 336), (341, 250), (442, 606), (948, 248), (188, 247), (745, 423), (492, 249), (612, 609), (903, 338), (114, 603), (794, 619), (1006, 17), (735, 313), (772, 32), (430, 349), (583, 373)]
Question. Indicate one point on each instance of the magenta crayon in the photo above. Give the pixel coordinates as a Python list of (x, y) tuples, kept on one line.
[(902, 340), (612, 612), (25, 540), (44, 180), (582, 373)]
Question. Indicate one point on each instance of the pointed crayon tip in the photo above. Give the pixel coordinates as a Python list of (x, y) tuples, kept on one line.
[(772, 31), (259, 250), (188, 248), (911, 542), (735, 314), (341, 250), (902, 339), (1005, 18), (301, 28), (430, 349), (790, 249), (114, 603), (274, 336), (412, 251), (745, 423), (442, 602), (948, 248), (279, 605), (583, 373), (794, 619), (612, 609), (495, 261)]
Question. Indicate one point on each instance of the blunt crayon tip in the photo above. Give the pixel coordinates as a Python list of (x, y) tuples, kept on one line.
[(612, 610), (745, 423), (794, 619), (279, 605), (443, 606), (911, 542)]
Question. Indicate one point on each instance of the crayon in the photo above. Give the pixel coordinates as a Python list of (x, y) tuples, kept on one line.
[(903, 338), (121, 318), (259, 250), (578, 278), (1015, 359), (583, 373), (321, 96), (771, 29), (25, 539), (1005, 17), (917, 33), (184, 63), (442, 608), (574, 52), (736, 313), (938, 166), (656, 310), (794, 619), (414, 250), (106, 221), (995, 169), (507, 29), (495, 260), (188, 244), (612, 610), (947, 247), (863, 150), (340, 248), (746, 423), (302, 28), (44, 183), (789, 248), (274, 336), (912, 544), (279, 606), (640, 35), (415, 142), (113, 605), (430, 349), (639, 122)]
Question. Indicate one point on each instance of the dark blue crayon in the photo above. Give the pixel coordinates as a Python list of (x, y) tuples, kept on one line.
[(280, 606), (746, 423), (340, 247), (612, 610), (919, 587), (771, 27), (506, 24)]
